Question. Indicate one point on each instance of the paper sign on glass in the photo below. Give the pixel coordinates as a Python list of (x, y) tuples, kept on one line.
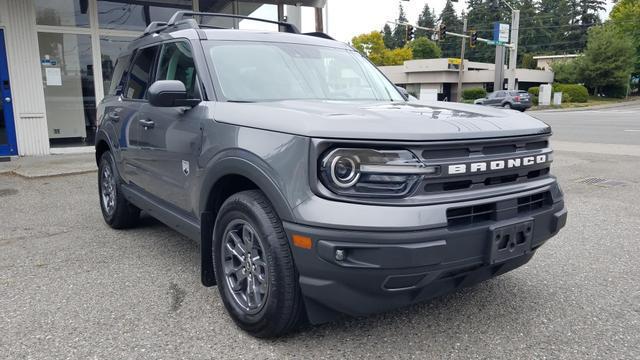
[(54, 76)]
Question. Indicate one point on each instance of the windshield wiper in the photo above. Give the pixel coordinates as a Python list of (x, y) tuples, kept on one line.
[(241, 101)]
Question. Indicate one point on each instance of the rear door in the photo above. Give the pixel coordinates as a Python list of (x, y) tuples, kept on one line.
[(173, 138)]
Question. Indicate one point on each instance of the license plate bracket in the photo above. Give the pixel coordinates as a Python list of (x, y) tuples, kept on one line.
[(510, 241)]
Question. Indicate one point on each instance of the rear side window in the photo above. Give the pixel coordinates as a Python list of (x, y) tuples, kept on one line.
[(119, 76), (140, 74), (176, 63)]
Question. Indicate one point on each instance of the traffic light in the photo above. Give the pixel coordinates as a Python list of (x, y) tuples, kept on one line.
[(443, 31), (411, 33), (473, 39)]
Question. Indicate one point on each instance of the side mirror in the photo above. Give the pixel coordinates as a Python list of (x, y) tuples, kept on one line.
[(404, 92), (170, 93)]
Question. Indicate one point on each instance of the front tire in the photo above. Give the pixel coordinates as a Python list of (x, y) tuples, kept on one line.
[(257, 278), (507, 106), (116, 210)]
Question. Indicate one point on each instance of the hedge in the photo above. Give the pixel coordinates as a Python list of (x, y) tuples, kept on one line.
[(474, 93), (534, 90), (572, 93)]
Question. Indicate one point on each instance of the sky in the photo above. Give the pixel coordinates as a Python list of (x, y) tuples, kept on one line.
[(348, 18)]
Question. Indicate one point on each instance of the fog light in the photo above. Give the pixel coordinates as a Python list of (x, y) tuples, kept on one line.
[(340, 255)]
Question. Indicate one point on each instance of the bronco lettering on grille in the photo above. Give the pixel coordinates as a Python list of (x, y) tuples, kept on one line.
[(478, 167)]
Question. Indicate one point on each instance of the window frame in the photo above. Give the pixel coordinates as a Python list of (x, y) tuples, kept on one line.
[(152, 72), (200, 89)]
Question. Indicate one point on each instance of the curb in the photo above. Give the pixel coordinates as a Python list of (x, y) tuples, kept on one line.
[(594, 107)]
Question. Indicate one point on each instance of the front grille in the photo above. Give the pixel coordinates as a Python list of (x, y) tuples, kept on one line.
[(445, 154), (497, 211)]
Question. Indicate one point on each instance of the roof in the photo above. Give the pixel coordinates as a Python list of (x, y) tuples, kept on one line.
[(555, 56)]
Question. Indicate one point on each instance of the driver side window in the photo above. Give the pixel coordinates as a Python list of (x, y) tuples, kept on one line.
[(176, 63)]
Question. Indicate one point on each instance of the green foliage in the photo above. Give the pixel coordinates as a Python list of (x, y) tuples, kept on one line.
[(567, 71), (473, 93), (450, 45), (387, 36), (372, 46), (624, 17), (426, 19), (399, 32), (615, 91), (608, 59), (534, 90), (424, 48), (572, 93), (528, 62)]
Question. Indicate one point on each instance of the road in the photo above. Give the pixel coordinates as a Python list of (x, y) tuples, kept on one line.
[(70, 287), (619, 125)]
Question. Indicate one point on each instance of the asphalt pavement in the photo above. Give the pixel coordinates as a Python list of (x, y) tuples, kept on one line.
[(70, 287)]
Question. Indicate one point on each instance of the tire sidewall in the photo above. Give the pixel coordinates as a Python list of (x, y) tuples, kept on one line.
[(252, 213), (107, 160)]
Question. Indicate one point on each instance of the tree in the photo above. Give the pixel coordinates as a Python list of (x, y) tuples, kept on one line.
[(387, 36), (426, 19), (625, 17), (608, 59), (400, 31), (372, 46), (450, 45), (480, 18), (424, 48), (528, 62), (567, 72)]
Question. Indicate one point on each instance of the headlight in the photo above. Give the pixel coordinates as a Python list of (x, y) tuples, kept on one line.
[(368, 172)]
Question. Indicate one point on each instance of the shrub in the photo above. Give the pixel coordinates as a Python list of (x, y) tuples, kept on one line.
[(615, 91), (473, 93), (424, 48), (534, 90), (573, 93)]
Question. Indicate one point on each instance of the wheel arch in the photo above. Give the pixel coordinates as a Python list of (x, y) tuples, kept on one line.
[(233, 174)]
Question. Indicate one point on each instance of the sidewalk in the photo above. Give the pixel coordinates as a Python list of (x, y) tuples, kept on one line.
[(51, 165)]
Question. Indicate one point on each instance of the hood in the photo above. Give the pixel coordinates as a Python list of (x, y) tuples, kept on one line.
[(412, 121)]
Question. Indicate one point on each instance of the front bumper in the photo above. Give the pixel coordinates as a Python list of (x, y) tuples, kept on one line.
[(383, 270)]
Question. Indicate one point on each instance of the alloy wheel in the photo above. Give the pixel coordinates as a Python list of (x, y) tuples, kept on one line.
[(245, 267), (108, 189)]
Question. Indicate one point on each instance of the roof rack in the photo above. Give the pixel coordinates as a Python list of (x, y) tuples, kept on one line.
[(179, 16)]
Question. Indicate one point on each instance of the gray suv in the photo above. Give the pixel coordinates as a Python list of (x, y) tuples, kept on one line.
[(514, 99), (313, 187)]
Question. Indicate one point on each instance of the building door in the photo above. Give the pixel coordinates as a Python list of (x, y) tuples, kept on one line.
[(7, 130)]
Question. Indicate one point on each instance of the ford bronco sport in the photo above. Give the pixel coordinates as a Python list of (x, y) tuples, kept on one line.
[(312, 185)]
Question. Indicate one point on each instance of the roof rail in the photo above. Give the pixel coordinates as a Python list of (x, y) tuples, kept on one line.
[(180, 15), (319, 34), (155, 26)]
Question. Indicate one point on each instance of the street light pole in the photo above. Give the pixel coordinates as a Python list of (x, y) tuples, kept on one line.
[(513, 51)]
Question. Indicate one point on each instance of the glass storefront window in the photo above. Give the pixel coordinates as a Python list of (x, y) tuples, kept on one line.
[(110, 48), (62, 12), (67, 75), (122, 15)]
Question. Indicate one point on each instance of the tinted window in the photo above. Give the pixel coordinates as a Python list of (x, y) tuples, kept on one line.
[(118, 76), (140, 75), (176, 63)]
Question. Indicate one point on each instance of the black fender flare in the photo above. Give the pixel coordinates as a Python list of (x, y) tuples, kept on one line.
[(250, 166)]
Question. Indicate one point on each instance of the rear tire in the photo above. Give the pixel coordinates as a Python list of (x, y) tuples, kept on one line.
[(257, 278), (117, 211)]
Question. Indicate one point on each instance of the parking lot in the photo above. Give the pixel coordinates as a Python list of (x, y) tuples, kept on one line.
[(70, 287)]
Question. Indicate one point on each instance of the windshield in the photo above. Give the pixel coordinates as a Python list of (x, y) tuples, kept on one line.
[(263, 71)]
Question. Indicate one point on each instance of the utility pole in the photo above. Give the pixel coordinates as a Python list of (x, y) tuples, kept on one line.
[(463, 42), (513, 51), (498, 81)]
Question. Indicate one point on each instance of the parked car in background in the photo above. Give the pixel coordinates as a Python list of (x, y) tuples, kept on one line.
[(516, 99)]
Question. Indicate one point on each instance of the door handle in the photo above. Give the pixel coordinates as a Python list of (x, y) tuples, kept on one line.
[(147, 124)]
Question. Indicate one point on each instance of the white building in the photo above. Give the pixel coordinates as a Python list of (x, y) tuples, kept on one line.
[(546, 61), (441, 76), (57, 57)]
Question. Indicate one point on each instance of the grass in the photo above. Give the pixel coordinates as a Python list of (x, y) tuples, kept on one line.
[(593, 101)]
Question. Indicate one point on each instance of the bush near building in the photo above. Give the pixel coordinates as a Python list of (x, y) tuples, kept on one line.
[(573, 93), (473, 93), (535, 93)]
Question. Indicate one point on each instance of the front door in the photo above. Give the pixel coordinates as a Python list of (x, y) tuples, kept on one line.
[(172, 138), (7, 130)]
